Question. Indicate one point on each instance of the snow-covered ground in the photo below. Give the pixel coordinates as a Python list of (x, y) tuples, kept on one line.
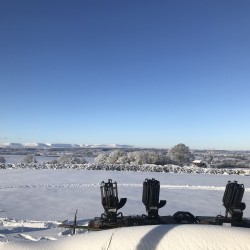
[(33, 202)]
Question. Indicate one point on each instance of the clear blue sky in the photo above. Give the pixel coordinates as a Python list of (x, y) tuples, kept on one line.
[(144, 73)]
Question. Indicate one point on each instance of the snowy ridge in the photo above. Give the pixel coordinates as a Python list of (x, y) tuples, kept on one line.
[(62, 145)]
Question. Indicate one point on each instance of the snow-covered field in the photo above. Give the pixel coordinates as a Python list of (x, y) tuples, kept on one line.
[(33, 202)]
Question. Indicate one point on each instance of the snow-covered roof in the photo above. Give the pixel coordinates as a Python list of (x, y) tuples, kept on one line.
[(198, 161)]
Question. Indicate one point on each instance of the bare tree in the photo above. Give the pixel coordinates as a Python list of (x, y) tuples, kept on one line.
[(29, 159), (209, 156)]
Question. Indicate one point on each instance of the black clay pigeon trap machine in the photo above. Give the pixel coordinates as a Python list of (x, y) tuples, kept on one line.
[(111, 218), (110, 201), (150, 198), (232, 201)]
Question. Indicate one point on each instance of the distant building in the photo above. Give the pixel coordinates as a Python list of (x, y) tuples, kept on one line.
[(200, 163)]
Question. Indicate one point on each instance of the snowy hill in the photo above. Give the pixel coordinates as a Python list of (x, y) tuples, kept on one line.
[(61, 145)]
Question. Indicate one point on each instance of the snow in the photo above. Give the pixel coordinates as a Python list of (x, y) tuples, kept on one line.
[(34, 202), (35, 145), (146, 237)]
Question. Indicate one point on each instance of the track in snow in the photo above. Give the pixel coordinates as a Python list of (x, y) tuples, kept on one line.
[(130, 185)]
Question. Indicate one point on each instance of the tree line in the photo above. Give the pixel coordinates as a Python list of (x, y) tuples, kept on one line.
[(178, 155)]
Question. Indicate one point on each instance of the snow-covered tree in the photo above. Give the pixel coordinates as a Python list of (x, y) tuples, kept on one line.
[(114, 156), (158, 158), (148, 157), (101, 158), (209, 156), (123, 159), (29, 159), (137, 157), (71, 159), (2, 159), (181, 154)]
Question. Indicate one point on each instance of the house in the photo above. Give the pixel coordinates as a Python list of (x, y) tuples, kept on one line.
[(200, 163)]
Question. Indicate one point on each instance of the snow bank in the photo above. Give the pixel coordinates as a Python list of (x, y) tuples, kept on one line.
[(172, 237)]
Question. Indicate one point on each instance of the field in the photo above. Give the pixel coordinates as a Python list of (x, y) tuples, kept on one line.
[(34, 202)]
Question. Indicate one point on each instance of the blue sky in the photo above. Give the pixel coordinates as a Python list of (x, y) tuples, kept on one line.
[(144, 73)]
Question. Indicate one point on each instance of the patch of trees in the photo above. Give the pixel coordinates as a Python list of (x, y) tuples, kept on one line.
[(180, 155), (30, 158), (69, 159), (136, 157), (231, 163)]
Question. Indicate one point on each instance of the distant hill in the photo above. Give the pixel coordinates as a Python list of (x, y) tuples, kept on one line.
[(61, 145)]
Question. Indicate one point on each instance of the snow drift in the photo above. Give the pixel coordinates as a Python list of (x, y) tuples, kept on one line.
[(173, 237)]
